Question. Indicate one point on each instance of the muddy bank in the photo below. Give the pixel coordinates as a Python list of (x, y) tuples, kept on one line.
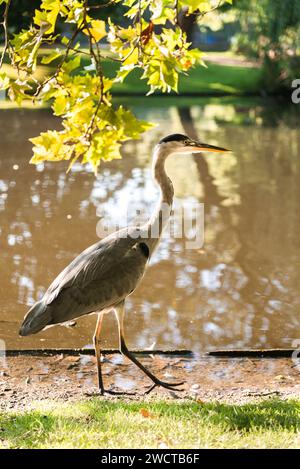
[(26, 379)]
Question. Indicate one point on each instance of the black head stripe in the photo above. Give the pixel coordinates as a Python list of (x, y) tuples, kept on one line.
[(174, 138)]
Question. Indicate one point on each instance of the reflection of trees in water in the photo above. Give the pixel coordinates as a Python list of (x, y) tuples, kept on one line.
[(242, 288), (259, 290), (246, 297)]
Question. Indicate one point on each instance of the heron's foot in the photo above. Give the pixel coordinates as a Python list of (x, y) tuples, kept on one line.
[(163, 384)]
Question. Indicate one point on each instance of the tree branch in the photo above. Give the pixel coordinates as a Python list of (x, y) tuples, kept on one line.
[(4, 24), (68, 49), (103, 5), (97, 59)]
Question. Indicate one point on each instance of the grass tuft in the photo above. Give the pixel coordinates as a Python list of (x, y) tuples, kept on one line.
[(98, 423)]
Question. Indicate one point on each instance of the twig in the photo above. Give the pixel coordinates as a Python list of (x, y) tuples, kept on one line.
[(78, 51), (140, 46), (103, 5), (177, 12), (68, 49), (4, 24), (97, 58), (108, 57)]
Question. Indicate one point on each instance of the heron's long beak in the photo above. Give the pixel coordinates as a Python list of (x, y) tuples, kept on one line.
[(198, 146)]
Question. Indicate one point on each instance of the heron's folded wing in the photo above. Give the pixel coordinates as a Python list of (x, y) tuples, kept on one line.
[(92, 265)]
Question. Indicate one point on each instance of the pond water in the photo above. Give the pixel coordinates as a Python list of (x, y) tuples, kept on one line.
[(239, 290)]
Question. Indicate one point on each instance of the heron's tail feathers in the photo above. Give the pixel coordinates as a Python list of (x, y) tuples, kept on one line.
[(36, 319)]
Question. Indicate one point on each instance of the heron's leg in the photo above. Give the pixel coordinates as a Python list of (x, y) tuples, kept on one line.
[(96, 340), (119, 311)]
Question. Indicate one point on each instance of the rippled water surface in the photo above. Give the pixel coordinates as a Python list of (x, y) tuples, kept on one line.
[(241, 289)]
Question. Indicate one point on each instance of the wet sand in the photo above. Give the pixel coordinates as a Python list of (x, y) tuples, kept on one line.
[(27, 379)]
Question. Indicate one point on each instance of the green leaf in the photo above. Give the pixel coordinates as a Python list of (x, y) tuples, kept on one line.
[(32, 59), (47, 59), (4, 81), (50, 146), (71, 64), (130, 125), (65, 41), (93, 129), (17, 91), (60, 105)]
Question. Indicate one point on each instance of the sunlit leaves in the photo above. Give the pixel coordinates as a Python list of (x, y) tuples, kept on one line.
[(162, 57), (169, 56), (25, 46), (96, 30), (118, 126), (17, 91), (72, 10), (87, 135), (130, 126), (201, 6), (50, 146), (51, 57), (4, 81), (64, 41), (47, 15), (71, 64), (60, 105), (75, 141), (162, 12), (77, 90)]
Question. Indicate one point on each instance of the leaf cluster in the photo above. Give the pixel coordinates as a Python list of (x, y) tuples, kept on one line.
[(149, 38)]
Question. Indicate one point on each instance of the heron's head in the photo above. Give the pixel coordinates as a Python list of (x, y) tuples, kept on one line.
[(178, 143)]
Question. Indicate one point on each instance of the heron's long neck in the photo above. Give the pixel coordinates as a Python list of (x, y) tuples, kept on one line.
[(161, 214), (161, 178)]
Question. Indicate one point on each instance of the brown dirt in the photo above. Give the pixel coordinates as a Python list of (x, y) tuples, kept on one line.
[(24, 379)]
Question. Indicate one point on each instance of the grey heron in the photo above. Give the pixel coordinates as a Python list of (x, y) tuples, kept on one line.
[(101, 278)]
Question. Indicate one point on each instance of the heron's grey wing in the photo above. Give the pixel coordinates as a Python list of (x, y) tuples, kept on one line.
[(98, 278), (77, 270)]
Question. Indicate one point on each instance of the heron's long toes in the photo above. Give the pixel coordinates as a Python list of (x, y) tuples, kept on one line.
[(170, 386), (151, 388), (174, 384)]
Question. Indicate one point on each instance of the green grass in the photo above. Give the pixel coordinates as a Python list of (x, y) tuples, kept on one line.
[(98, 423), (216, 79)]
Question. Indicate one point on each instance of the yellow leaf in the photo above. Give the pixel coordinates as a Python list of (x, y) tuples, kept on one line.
[(97, 30), (4, 81), (132, 57)]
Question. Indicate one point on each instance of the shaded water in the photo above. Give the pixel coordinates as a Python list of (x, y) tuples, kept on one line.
[(241, 289)]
